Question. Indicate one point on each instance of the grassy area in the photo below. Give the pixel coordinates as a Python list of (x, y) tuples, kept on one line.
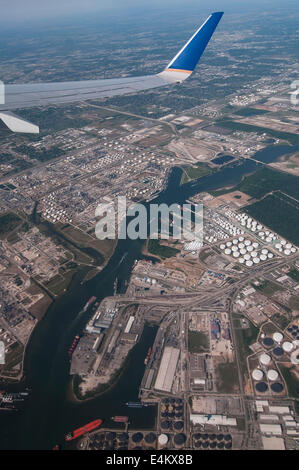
[(162, 251), (294, 274), (250, 112), (197, 342), (227, 377), (244, 338), (266, 180), (294, 302), (278, 214), (194, 172), (291, 380), (8, 222), (269, 288), (238, 126), (280, 320)]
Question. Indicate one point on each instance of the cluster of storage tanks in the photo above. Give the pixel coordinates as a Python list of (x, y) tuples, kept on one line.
[(250, 224), (53, 212), (282, 246), (228, 226), (263, 374), (246, 251)]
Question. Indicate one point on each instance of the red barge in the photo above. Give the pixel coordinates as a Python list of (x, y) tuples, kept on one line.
[(83, 430)]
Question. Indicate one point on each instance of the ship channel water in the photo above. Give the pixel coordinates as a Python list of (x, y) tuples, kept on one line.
[(49, 414)]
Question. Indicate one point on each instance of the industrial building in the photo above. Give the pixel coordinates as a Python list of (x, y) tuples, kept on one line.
[(215, 420), (272, 429), (273, 443), (167, 369)]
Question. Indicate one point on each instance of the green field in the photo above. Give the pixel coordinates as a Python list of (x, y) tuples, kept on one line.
[(244, 338), (250, 112), (280, 320), (162, 251), (228, 377), (195, 172), (279, 214), (197, 342), (266, 180), (291, 381), (294, 274), (238, 126), (8, 222), (269, 288)]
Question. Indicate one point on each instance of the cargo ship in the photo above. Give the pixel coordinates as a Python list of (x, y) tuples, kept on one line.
[(9, 397), (74, 345), (149, 352), (83, 430), (120, 419), (7, 407), (89, 303), (134, 404)]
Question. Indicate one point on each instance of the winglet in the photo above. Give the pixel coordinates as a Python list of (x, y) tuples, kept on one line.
[(183, 64), (18, 124)]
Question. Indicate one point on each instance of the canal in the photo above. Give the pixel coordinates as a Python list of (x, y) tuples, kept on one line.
[(49, 413)]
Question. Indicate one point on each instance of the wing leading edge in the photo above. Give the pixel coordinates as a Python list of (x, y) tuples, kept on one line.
[(45, 94)]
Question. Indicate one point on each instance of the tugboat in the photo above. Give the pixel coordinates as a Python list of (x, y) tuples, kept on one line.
[(149, 352), (120, 419), (74, 345)]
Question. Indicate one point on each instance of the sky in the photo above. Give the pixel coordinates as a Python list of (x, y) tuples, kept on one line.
[(22, 11)]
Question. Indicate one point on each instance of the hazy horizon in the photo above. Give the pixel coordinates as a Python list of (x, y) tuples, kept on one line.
[(20, 13)]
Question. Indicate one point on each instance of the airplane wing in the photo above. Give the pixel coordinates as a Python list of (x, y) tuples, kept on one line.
[(44, 94)]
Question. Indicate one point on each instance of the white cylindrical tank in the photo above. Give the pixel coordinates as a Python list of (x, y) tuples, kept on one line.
[(272, 374), (277, 336), (162, 439), (265, 359), (227, 251), (249, 263), (287, 346), (257, 374), (295, 357)]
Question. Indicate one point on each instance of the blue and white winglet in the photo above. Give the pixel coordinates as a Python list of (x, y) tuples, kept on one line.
[(45, 94), (184, 63)]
